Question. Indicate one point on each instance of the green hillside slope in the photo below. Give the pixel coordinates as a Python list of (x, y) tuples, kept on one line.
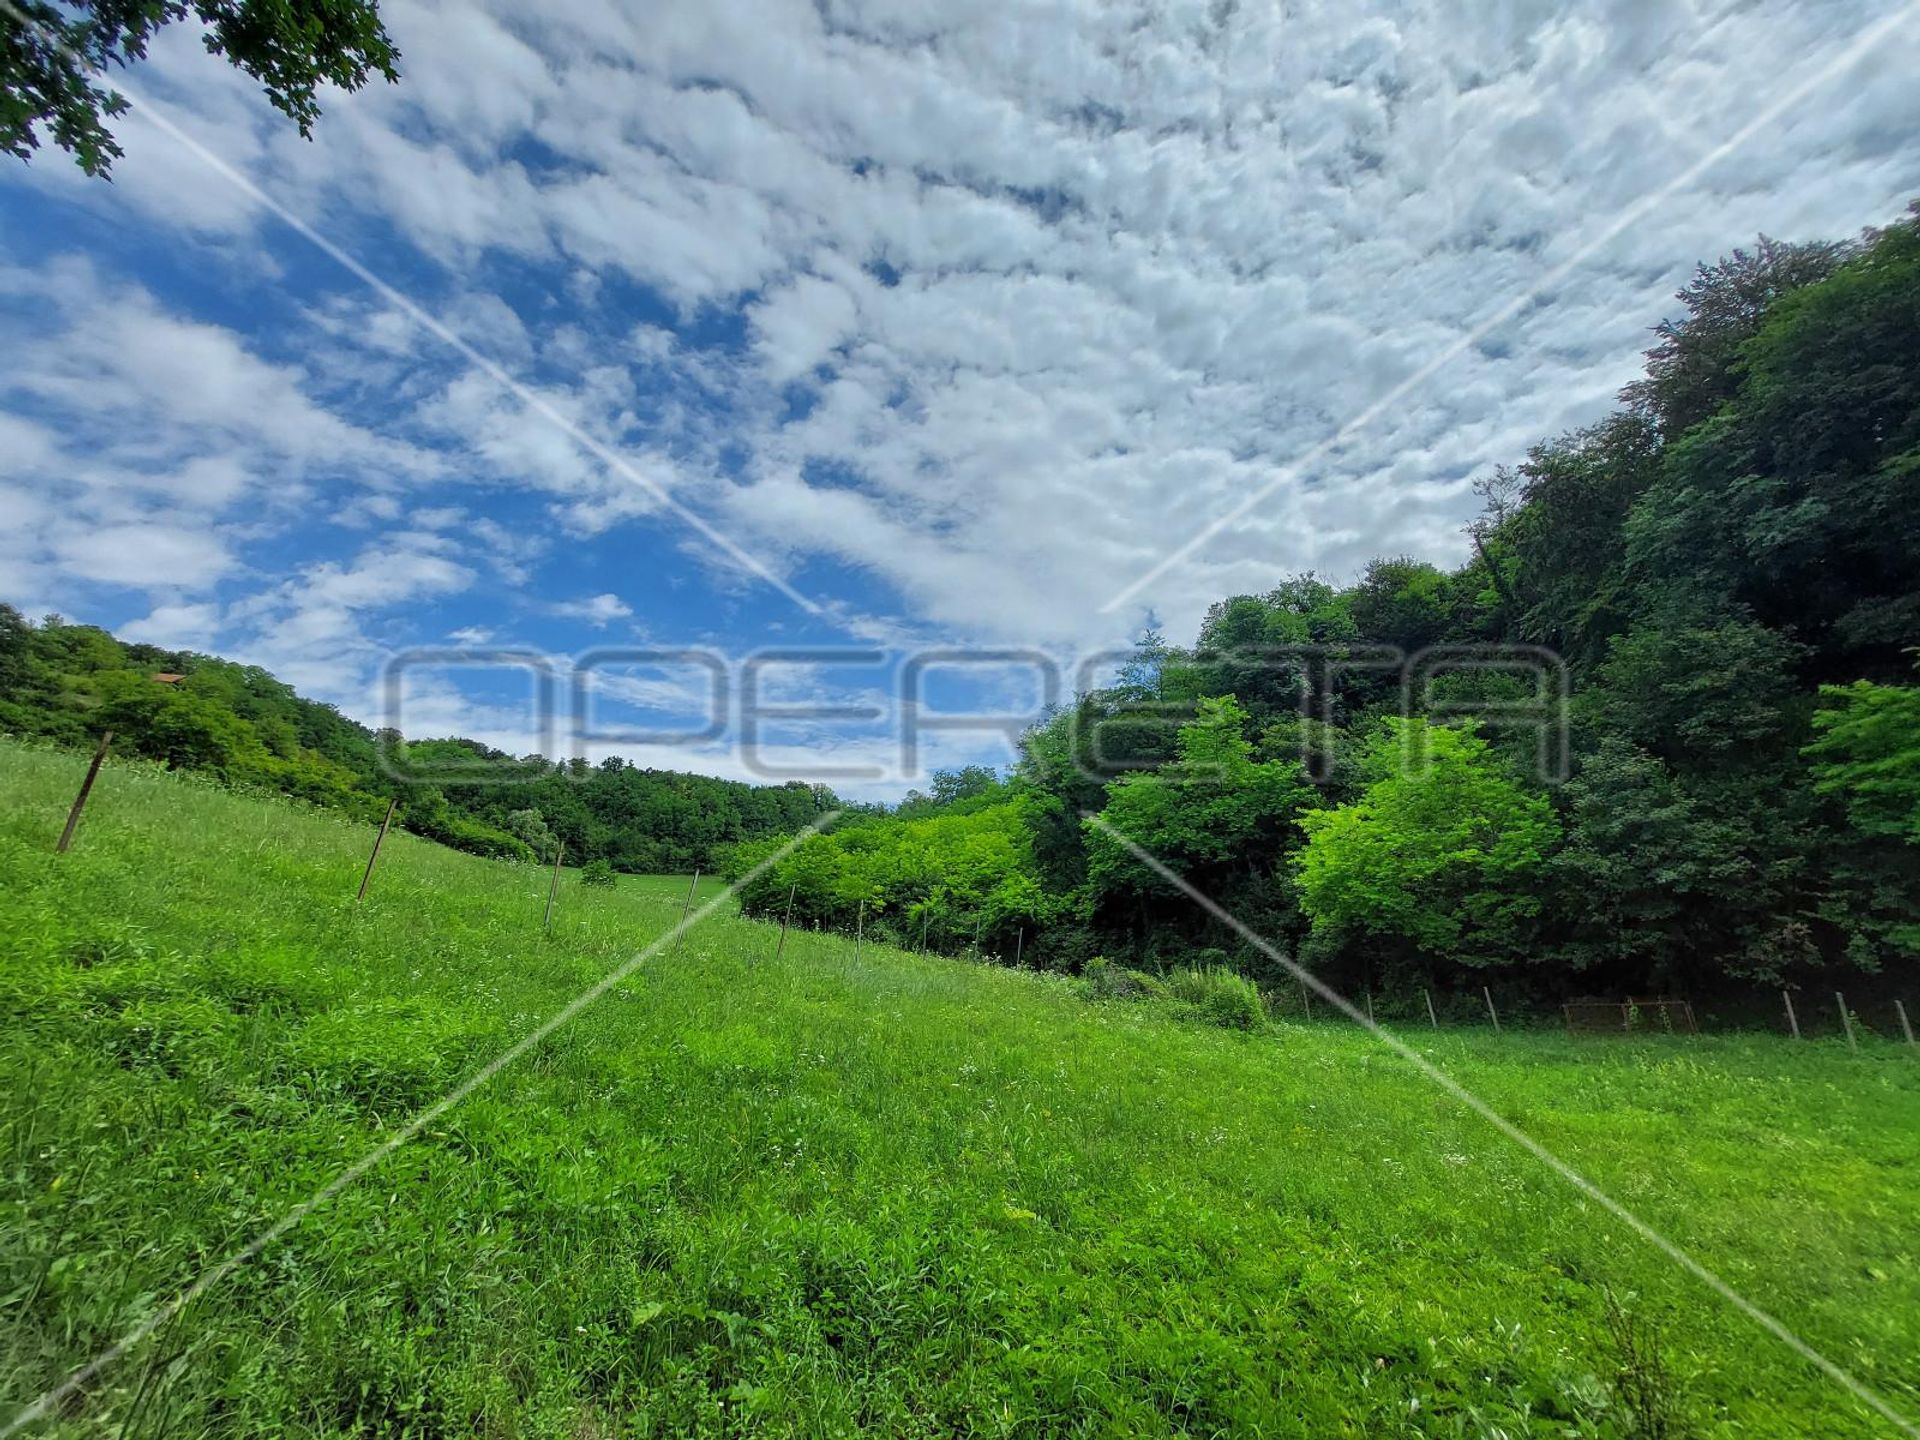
[(823, 1193)]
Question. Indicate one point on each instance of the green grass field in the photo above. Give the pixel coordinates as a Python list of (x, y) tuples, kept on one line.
[(823, 1194)]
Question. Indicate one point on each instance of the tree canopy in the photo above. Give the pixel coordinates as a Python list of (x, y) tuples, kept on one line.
[(53, 58)]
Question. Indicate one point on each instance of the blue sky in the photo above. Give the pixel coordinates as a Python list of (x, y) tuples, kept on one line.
[(953, 321)]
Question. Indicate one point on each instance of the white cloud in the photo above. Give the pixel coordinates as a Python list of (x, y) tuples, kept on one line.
[(177, 627), (597, 610), (148, 556), (993, 305)]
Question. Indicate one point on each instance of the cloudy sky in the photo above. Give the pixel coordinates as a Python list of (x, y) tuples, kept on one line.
[(757, 324)]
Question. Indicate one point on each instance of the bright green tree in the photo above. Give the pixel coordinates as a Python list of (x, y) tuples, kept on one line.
[(1438, 861), (1214, 809), (1868, 753)]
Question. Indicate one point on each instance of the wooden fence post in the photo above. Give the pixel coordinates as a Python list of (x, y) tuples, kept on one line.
[(559, 849), (1484, 990), (687, 908), (1432, 1019), (923, 932), (1370, 1007), (1846, 1020), (86, 789), (1906, 1026), (378, 840), (1306, 1000), (1793, 1020), (781, 948), (860, 931), (1019, 946)]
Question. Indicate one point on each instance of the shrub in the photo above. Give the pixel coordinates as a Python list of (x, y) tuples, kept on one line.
[(1220, 997), (1104, 980), (597, 872)]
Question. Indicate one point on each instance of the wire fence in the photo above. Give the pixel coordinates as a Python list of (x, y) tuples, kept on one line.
[(1869, 1017)]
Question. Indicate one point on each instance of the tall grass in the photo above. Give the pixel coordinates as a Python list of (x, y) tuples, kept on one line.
[(833, 1194)]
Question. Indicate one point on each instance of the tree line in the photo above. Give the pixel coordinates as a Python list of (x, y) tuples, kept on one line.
[(68, 683), (1729, 568)]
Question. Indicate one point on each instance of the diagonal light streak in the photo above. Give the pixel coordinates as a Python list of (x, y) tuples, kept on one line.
[(1513, 1132), (79, 1379)]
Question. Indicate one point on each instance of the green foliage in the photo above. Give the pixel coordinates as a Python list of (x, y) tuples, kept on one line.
[(827, 1195), (1103, 980), (1438, 860), (1868, 753), (530, 828), (53, 55), (1649, 874), (1208, 810), (1218, 996), (597, 874), (961, 878), (1698, 690), (70, 682)]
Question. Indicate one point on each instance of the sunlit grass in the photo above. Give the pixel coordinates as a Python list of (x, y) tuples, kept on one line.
[(826, 1194)]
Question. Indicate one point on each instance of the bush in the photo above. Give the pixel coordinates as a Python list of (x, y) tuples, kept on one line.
[(1220, 996), (1104, 980), (597, 872)]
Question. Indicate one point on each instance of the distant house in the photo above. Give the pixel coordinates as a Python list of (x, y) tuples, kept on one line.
[(167, 677)]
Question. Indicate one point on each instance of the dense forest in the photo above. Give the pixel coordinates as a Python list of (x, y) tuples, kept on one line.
[(1729, 568), (68, 683)]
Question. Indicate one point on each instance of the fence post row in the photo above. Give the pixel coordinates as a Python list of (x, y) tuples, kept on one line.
[(1306, 994)]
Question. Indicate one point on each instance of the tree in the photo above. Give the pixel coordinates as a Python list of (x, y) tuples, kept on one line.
[(1438, 861), (1405, 603), (1692, 368), (1140, 677), (965, 783), (530, 826), (1868, 753), (1698, 689), (1220, 819), (1558, 537), (52, 55), (162, 722), (1650, 883), (1214, 808)]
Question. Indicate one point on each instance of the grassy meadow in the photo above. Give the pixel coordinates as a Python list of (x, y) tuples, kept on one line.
[(830, 1194)]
